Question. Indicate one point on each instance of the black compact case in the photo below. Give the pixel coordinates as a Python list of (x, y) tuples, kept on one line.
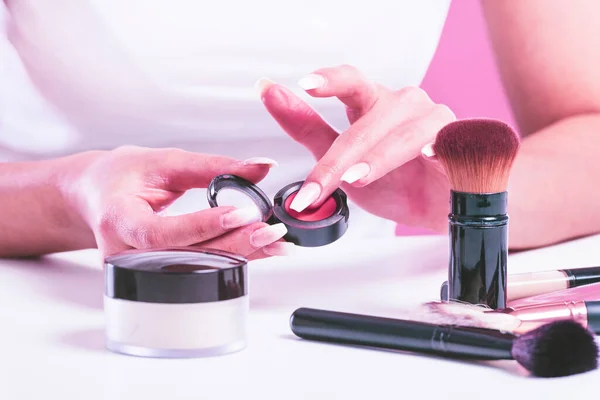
[(303, 233)]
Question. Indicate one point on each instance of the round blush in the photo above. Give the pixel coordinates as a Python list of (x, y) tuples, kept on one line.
[(311, 214)]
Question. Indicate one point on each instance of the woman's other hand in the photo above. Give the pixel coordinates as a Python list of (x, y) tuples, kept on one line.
[(381, 160), (120, 195)]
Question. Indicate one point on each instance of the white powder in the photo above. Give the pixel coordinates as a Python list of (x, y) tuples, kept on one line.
[(236, 198), (193, 326)]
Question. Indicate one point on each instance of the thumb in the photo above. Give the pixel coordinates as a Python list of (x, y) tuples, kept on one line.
[(131, 221), (297, 118)]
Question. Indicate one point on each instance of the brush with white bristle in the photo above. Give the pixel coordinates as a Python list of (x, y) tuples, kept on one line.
[(514, 319), (466, 314)]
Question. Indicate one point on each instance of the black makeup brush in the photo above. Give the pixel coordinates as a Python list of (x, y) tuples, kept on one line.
[(477, 155), (556, 349)]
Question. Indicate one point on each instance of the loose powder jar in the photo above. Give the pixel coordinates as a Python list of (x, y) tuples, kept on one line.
[(175, 302)]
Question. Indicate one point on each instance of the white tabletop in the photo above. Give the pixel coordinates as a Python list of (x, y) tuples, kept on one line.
[(52, 341)]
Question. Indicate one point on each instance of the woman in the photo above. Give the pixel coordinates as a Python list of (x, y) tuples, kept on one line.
[(97, 76)]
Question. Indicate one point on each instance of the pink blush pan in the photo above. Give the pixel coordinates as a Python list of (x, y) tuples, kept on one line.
[(324, 211)]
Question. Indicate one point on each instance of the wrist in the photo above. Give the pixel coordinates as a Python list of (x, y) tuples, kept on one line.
[(68, 177)]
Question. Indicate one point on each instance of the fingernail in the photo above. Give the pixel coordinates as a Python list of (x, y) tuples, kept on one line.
[(240, 217), (428, 151), (280, 249), (312, 81), (261, 161), (163, 213), (267, 235), (306, 196), (263, 84), (356, 172)]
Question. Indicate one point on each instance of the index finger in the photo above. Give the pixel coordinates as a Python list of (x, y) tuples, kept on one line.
[(342, 162), (346, 83), (134, 221), (182, 170)]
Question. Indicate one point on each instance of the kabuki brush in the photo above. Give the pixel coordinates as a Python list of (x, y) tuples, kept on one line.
[(477, 156)]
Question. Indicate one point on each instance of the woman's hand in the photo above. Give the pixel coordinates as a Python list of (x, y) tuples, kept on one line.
[(121, 193), (381, 160)]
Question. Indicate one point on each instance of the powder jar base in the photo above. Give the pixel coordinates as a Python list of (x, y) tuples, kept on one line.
[(176, 330), (140, 351)]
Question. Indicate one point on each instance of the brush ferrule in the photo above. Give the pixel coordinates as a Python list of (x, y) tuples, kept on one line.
[(544, 313), (478, 222), (472, 342), (490, 207)]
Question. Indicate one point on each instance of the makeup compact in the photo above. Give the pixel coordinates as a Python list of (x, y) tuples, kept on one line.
[(312, 227), (175, 302)]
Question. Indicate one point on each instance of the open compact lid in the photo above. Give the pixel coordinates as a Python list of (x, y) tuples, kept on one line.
[(231, 190), (312, 227)]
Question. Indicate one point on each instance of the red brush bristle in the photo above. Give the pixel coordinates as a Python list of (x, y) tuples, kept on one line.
[(477, 154)]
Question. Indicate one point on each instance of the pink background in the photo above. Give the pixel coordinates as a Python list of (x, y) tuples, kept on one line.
[(463, 73)]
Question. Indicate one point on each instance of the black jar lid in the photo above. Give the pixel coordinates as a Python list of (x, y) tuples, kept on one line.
[(309, 229), (175, 275)]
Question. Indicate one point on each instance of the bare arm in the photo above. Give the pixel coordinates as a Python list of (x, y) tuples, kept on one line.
[(111, 200), (36, 216), (549, 59)]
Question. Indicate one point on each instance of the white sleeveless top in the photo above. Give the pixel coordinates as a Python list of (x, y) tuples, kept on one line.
[(96, 74)]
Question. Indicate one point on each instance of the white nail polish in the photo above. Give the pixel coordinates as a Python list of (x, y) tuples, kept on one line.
[(356, 172), (312, 81), (306, 196), (240, 217), (261, 161), (427, 150), (267, 235), (263, 84), (280, 249)]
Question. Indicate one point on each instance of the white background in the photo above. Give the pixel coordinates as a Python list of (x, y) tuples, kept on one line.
[(51, 333)]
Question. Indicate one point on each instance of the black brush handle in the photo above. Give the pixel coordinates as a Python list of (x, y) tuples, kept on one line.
[(395, 334), (478, 230), (582, 276)]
